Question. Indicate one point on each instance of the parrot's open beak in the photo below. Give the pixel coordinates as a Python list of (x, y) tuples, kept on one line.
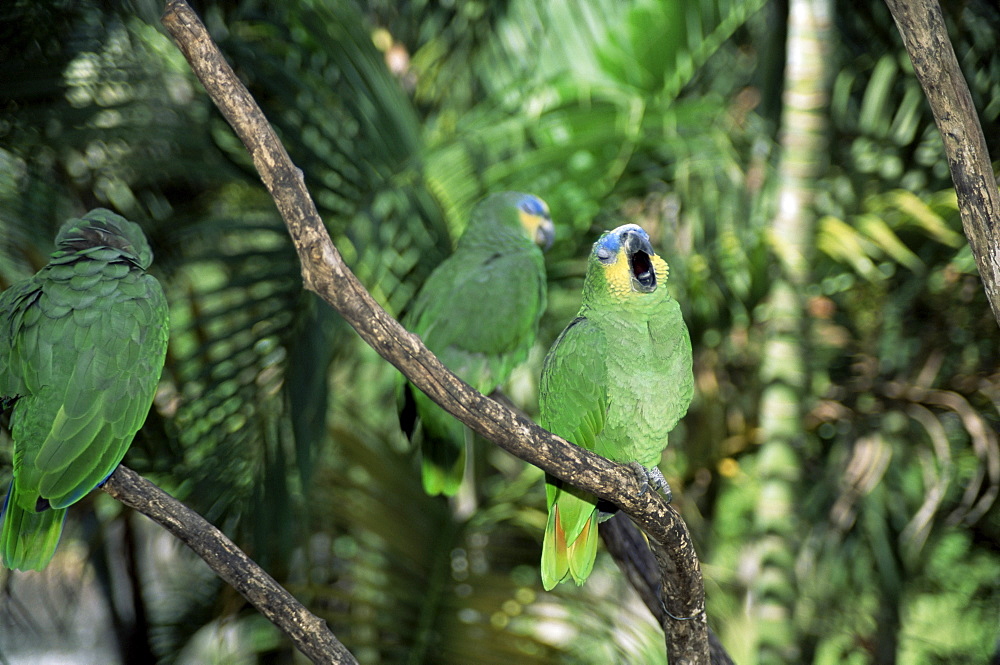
[(638, 250)]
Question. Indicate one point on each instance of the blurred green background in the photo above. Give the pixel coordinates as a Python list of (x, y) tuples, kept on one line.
[(839, 466)]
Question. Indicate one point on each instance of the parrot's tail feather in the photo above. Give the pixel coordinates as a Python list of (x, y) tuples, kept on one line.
[(561, 560), (441, 478), (442, 452), (407, 411), (28, 539), (583, 552), (555, 561), (440, 438)]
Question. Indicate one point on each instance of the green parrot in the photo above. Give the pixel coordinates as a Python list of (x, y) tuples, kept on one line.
[(616, 381), (82, 345), (478, 312)]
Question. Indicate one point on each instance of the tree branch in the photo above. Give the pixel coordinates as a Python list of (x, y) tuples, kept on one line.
[(309, 633), (639, 566), (925, 37), (325, 273)]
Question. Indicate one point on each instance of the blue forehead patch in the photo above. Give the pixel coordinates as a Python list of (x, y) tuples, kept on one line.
[(533, 206), (611, 241)]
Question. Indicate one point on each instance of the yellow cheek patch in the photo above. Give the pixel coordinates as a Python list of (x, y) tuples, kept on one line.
[(530, 223), (619, 276), (661, 269)]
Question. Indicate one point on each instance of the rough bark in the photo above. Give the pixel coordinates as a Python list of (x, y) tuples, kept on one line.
[(628, 548), (925, 37)]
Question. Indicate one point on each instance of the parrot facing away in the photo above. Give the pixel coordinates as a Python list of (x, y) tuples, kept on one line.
[(82, 345), (478, 312), (615, 382)]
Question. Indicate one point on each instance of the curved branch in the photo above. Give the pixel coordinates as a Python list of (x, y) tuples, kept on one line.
[(325, 273), (639, 566), (925, 37), (309, 633)]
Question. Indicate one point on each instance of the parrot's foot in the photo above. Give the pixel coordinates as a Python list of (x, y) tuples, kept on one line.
[(651, 478)]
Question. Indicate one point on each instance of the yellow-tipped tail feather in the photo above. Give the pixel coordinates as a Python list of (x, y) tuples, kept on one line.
[(561, 560)]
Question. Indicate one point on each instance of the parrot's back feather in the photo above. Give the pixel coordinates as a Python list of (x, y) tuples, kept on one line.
[(82, 345)]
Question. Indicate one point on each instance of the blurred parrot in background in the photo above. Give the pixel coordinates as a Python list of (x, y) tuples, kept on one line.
[(615, 382), (82, 345), (478, 312)]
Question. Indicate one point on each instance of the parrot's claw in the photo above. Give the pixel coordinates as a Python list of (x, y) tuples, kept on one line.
[(651, 477)]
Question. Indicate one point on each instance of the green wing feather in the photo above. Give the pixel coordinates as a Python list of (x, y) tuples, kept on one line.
[(573, 403), (82, 346), (478, 312), (479, 332)]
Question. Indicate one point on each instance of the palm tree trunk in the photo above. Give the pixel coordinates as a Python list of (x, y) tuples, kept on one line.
[(784, 369)]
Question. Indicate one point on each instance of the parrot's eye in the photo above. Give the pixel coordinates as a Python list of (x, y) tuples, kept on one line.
[(604, 254)]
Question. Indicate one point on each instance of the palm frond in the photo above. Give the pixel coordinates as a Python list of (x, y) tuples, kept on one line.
[(348, 124)]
